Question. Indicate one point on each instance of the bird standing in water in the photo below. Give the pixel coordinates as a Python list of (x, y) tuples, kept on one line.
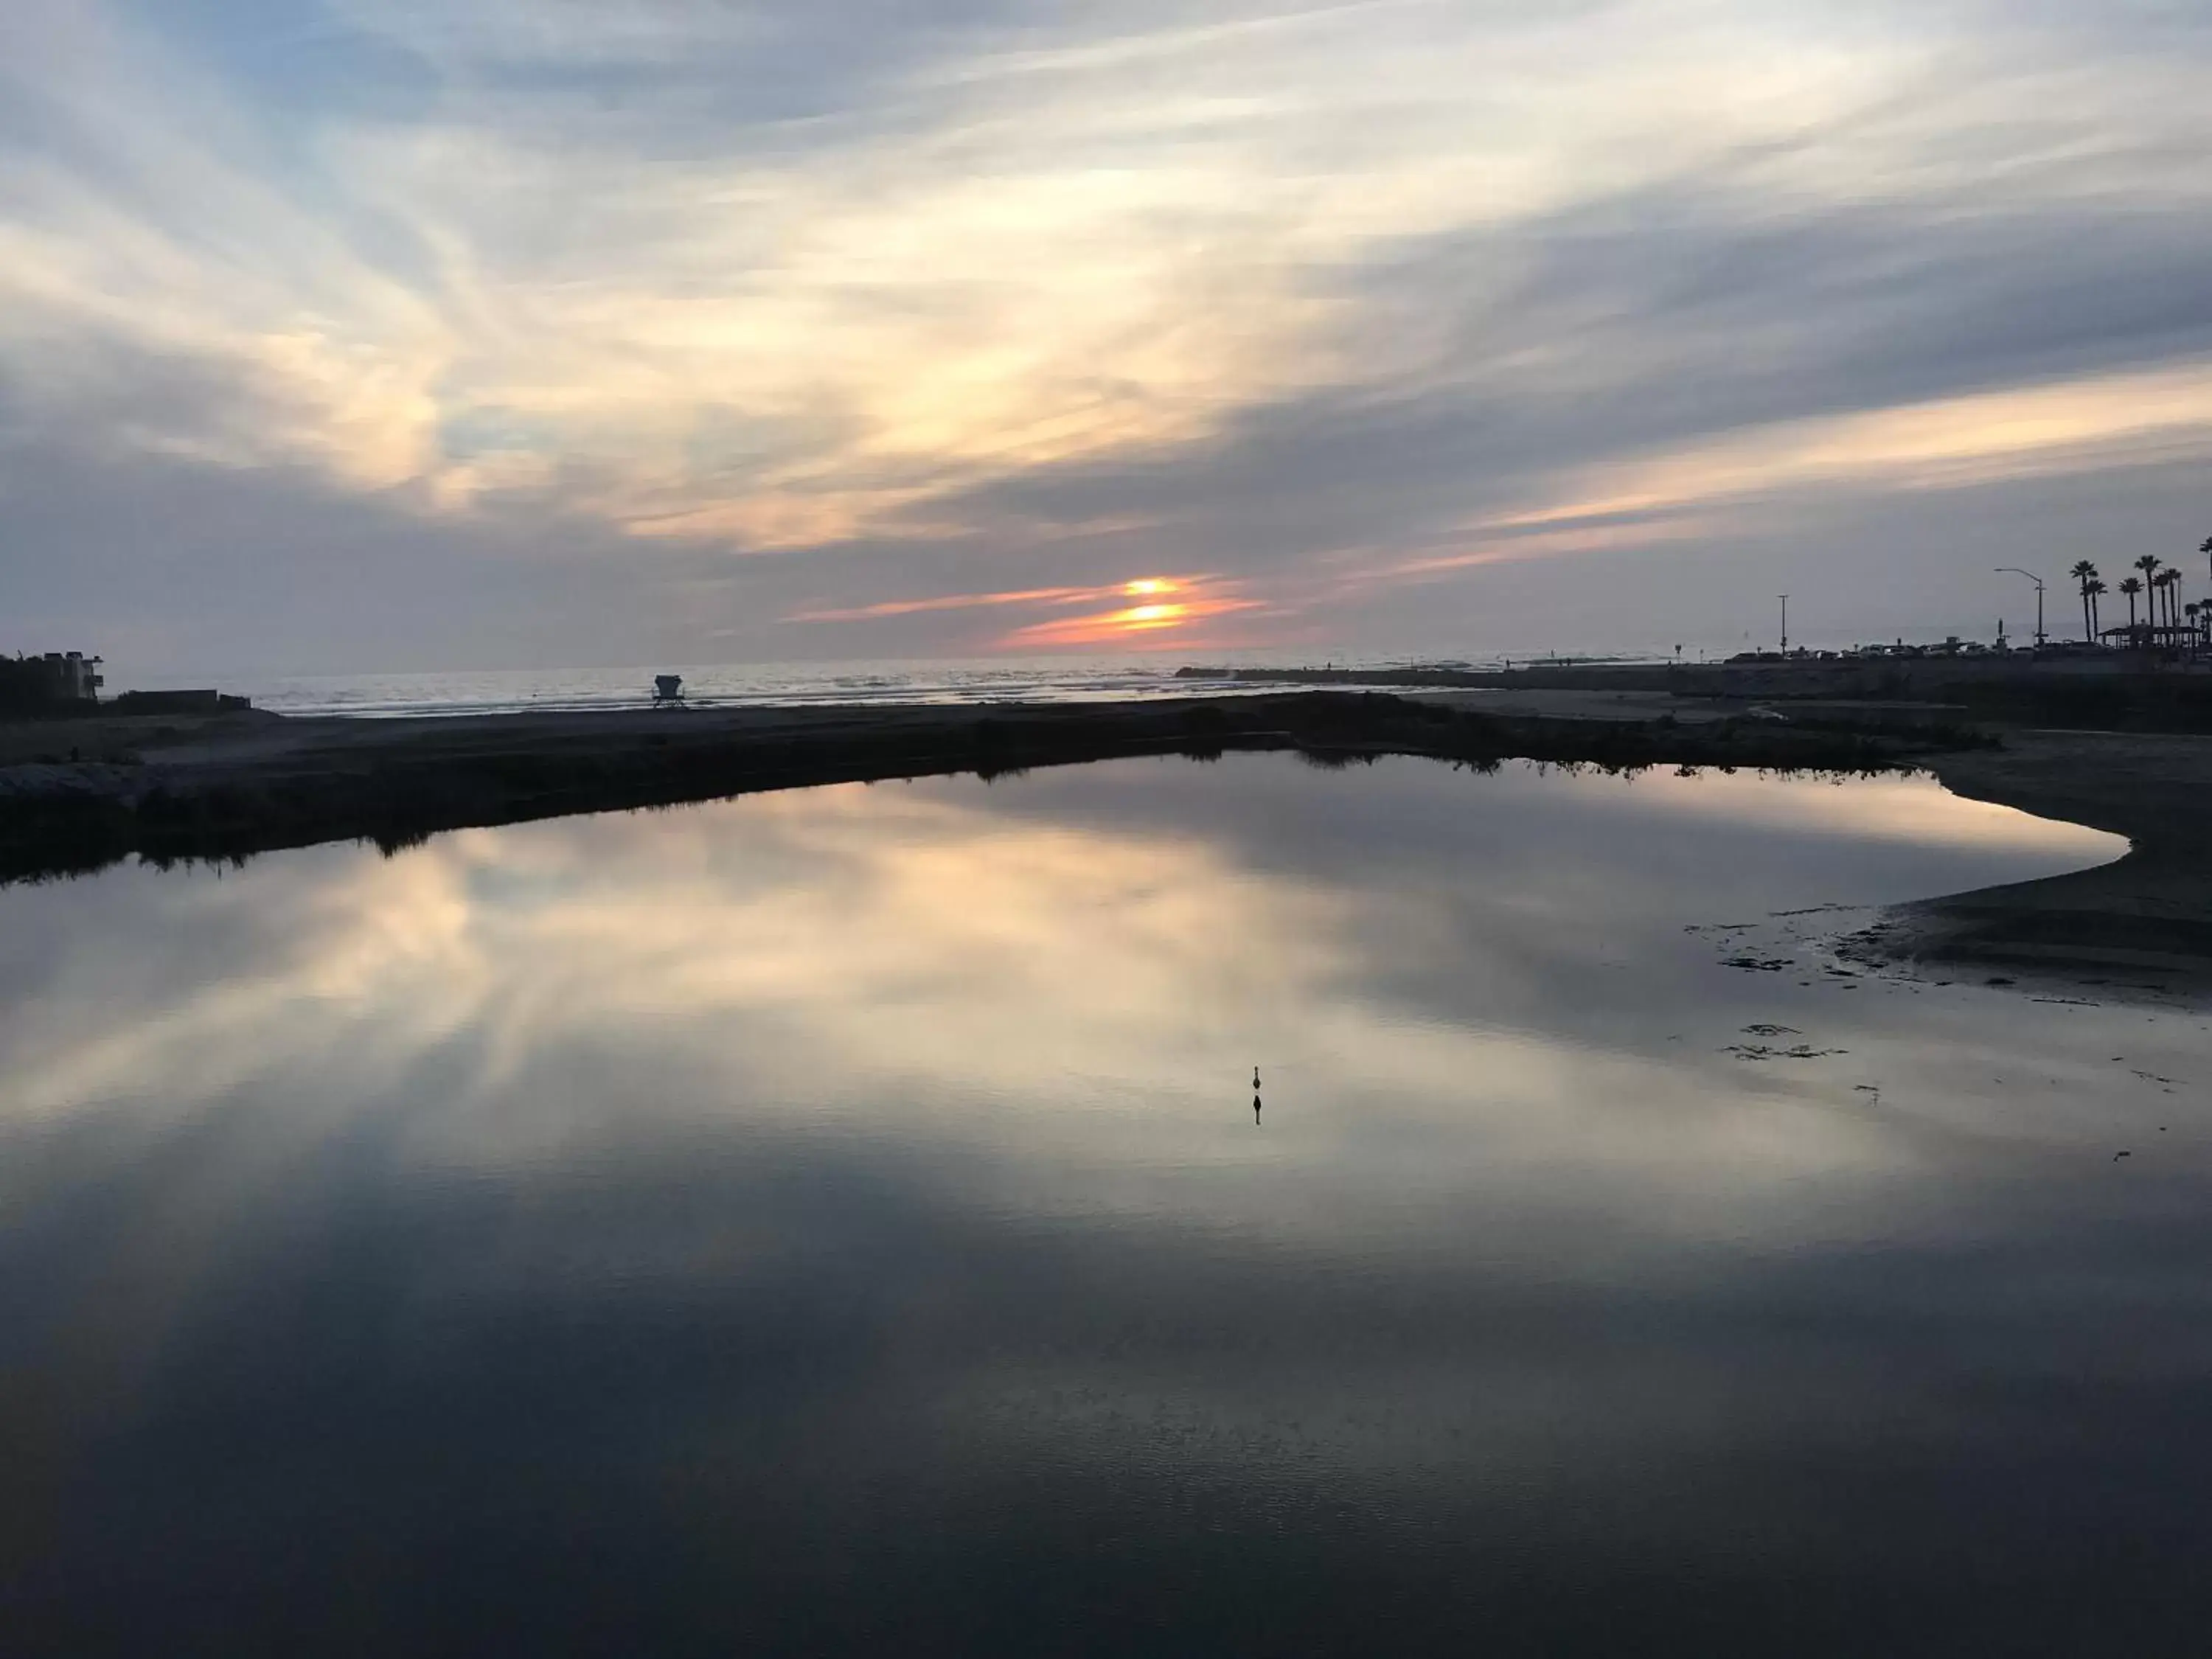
[(1256, 1095)]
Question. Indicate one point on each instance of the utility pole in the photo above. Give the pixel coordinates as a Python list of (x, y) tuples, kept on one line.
[(1785, 623), (2015, 570)]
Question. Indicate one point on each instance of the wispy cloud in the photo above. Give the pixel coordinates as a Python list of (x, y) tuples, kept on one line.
[(1153, 624), (2031, 432), (1141, 610), (954, 602), (930, 289)]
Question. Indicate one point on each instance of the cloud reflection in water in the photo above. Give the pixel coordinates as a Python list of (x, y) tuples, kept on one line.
[(810, 1216)]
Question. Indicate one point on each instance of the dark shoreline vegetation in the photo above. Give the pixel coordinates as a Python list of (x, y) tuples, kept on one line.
[(239, 786)]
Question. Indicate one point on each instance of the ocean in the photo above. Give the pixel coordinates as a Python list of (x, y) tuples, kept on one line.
[(1051, 679)]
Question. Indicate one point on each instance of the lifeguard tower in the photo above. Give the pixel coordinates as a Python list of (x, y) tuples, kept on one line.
[(666, 688)]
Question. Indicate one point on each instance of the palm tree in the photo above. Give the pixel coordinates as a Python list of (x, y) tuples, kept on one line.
[(2085, 572), (2148, 565), (2093, 588), (2168, 581), (2131, 586)]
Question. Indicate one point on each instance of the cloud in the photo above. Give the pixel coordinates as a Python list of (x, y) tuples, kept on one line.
[(1146, 609), (2072, 426), (992, 301), (954, 602), (1153, 624)]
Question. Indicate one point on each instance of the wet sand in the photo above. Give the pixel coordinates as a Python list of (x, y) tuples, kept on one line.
[(2143, 922)]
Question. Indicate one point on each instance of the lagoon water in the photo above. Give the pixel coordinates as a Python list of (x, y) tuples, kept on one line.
[(838, 1222)]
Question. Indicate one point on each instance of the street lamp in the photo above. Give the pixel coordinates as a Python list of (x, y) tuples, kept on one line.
[(1784, 598), (2015, 570)]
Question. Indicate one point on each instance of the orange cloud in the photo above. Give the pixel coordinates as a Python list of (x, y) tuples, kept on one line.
[(1157, 609), (957, 602), (1162, 605), (1130, 625)]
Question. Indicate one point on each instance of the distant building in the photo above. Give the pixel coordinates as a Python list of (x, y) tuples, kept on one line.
[(57, 683), (2154, 636)]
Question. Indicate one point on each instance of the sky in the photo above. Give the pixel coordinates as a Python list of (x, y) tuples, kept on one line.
[(362, 335)]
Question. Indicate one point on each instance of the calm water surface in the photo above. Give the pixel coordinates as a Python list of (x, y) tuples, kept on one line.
[(838, 1222)]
